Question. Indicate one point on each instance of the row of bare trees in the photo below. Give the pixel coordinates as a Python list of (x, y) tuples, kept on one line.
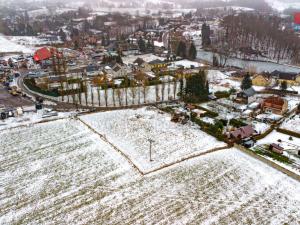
[(130, 92), (252, 35)]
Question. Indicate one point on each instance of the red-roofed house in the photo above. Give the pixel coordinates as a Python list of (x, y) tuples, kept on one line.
[(275, 105)]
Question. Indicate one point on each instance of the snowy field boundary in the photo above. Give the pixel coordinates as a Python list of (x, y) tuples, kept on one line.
[(268, 162), (164, 166)]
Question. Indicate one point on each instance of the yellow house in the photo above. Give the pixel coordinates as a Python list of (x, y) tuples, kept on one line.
[(158, 64), (261, 80)]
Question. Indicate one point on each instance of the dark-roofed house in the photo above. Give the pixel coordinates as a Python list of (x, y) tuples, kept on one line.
[(142, 65), (119, 70), (158, 64), (290, 78), (242, 133), (246, 96)]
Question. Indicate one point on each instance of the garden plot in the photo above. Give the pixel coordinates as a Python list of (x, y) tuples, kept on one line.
[(130, 131), (292, 124), (61, 173)]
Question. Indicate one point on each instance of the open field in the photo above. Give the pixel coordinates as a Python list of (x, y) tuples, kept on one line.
[(67, 175), (292, 124), (130, 130)]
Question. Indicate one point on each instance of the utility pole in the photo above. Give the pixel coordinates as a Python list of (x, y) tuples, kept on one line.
[(150, 148)]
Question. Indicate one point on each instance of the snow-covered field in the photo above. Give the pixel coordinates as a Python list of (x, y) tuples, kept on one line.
[(285, 142), (7, 45), (292, 124), (220, 81), (29, 118), (62, 173), (130, 130)]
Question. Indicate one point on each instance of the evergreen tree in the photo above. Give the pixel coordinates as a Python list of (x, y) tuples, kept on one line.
[(142, 45), (62, 35), (119, 59), (192, 52), (181, 49), (215, 61), (196, 89), (283, 85), (246, 82)]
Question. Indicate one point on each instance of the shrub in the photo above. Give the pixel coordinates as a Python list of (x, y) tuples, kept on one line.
[(222, 94), (237, 123)]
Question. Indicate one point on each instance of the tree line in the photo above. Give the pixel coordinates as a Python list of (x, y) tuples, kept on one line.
[(253, 35)]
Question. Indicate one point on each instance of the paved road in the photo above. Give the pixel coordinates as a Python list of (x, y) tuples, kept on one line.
[(8, 100)]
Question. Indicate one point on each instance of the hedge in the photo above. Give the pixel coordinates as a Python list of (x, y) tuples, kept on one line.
[(208, 113), (30, 83), (237, 123), (215, 130), (222, 94), (288, 132)]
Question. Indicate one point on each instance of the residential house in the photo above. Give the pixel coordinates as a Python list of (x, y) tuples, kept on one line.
[(261, 80), (242, 133), (292, 79), (275, 105), (276, 148), (246, 96), (117, 70), (93, 70), (142, 65), (157, 64)]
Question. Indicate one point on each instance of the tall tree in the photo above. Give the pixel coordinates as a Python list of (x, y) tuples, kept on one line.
[(181, 49), (192, 52), (196, 89), (283, 85), (246, 82)]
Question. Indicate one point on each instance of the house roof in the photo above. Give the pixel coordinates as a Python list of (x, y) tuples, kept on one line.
[(277, 146), (273, 101), (249, 92), (139, 61), (243, 132), (116, 68), (155, 61), (284, 75)]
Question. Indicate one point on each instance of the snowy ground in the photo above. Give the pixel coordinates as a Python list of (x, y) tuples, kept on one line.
[(7, 45), (67, 175), (292, 124), (291, 148), (220, 81), (260, 127), (130, 130), (285, 142), (29, 118)]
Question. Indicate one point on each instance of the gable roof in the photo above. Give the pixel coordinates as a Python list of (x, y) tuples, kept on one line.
[(139, 61), (249, 92), (243, 132), (155, 61), (284, 75)]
